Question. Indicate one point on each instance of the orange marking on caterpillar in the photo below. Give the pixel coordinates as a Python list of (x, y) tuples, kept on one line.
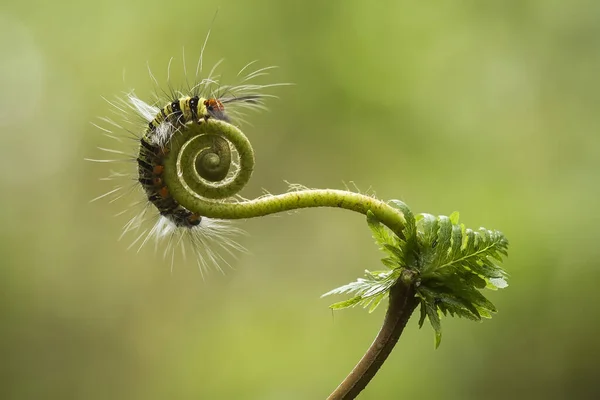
[(214, 104), (193, 219), (158, 169), (163, 192)]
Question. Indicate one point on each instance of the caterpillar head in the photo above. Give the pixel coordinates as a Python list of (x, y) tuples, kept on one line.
[(214, 108)]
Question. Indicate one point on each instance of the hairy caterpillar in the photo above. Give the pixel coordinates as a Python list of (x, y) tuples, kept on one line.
[(154, 143), (157, 215)]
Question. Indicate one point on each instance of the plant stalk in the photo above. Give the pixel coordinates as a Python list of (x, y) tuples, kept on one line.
[(181, 177), (402, 303), (190, 185)]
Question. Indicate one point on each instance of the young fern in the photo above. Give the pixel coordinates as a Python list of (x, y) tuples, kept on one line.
[(185, 166), (431, 261)]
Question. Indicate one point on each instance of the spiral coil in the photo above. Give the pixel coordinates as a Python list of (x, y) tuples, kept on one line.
[(200, 160)]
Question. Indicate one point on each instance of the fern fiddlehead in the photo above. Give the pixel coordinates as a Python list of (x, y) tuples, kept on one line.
[(188, 162), (431, 261)]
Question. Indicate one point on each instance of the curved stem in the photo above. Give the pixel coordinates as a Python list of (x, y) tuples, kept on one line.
[(357, 202), (189, 168), (402, 303), (205, 198)]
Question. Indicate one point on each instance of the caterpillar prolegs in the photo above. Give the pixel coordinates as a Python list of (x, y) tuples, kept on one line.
[(157, 215)]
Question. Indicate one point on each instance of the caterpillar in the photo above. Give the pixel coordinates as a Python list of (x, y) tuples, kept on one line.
[(157, 215), (153, 146)]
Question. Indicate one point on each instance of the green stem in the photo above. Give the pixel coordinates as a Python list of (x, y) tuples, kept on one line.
[(183, 177), (197, 156)]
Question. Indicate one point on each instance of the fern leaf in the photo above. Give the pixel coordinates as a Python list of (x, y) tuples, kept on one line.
[(451, 263)]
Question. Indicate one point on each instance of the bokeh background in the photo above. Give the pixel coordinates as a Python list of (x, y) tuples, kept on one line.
[(489, 108)]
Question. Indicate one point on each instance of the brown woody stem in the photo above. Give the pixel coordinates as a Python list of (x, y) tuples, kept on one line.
[(402, 303)]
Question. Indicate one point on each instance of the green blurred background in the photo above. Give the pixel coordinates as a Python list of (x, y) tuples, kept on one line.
[(486, 107)]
